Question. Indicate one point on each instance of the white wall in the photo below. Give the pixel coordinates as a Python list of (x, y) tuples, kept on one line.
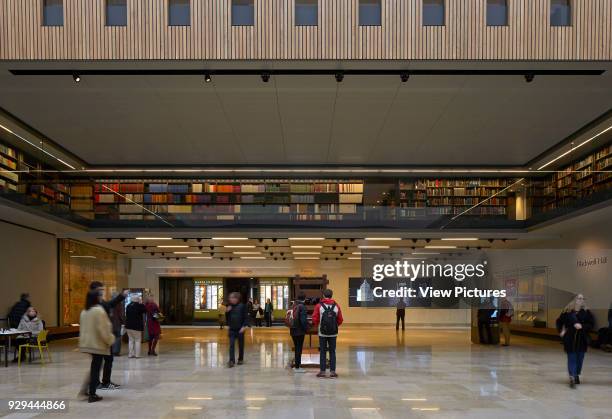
[(145, 273), (28, 263)]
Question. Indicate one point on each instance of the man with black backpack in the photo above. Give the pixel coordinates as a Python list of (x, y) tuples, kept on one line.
[(327, 316), (298, 329)]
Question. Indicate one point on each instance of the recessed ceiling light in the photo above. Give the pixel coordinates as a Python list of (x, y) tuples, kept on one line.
[(153, 238), (307, 247), (381, 239), (230, 238), (372, 247), (459, 239), (173, 246), (440, 247), (306, 238)]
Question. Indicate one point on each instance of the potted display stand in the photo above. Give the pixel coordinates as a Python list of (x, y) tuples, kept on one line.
[(313, 288)]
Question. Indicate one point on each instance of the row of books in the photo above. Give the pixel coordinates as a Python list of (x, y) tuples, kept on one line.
[(221, 209), (8, 151), (8, 163)]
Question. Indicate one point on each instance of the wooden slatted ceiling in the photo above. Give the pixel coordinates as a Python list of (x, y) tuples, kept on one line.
[(274, 36)]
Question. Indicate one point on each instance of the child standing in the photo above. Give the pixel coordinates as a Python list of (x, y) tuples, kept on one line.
[(237, 322)]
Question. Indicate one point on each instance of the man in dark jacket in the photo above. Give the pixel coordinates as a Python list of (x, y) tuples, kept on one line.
[(18, 310), (298, 330), (237, 322), (134, 325)]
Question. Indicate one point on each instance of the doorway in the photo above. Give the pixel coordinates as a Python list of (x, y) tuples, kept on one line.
[(176, 299), (240, 285)]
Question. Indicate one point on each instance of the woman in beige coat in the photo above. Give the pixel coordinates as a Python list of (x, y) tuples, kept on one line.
[(96, 338)]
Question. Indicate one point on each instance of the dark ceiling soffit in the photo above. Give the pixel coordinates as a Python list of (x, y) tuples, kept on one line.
[(314, 72)]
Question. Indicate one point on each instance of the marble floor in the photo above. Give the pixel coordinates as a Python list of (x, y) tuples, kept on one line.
[(421, 373)]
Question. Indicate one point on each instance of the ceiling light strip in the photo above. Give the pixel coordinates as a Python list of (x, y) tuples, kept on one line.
[(37, 147), (575, 148)]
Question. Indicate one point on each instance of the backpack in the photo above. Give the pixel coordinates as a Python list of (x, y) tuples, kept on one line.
[(289, 318), (329, 320)]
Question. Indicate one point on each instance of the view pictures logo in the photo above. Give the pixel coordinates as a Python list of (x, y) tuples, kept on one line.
[(413, 271)]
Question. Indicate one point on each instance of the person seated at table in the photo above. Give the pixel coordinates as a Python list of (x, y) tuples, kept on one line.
[(30, 322)]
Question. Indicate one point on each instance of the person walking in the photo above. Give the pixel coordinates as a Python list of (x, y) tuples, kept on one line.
[(118, 322), (327, 317), (574, 325), (108, 307), (259, 314), (222, 309), (153, 324), (134, 324), (18, 310), (268, 309), (298, 330), (505, 318), (400, 313), (237, 320), (95, 338)]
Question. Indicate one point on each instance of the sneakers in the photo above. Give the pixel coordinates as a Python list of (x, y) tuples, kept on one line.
[(333, 374), (572, 382), (109, 386), (93, 398), (321, 374), (299, 370), (230, 364), (240, 362), (577, 379)]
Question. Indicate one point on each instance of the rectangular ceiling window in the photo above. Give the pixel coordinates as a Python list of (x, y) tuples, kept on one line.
[(53, 12), (179, 13), (497, 12), (243, 13), (306, 12), (116, 12), (433, 12), (560, 13), (370, 13)]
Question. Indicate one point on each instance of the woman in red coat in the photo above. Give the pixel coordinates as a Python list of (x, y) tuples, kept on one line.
[(153, 326)]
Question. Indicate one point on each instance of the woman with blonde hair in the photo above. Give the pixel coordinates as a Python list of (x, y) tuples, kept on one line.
[(574, 325)]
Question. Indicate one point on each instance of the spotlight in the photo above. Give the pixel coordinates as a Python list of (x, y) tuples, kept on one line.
[(352, 240), (144, 247), (133, 247), (333, 247), (326, 258), (282, 254), (109, 240), (504, 240), (404, 77), (260, 240), (345, 247), (339, 77), (199, 240), (221, 258), (529, 77), (491, 240), (152, 254), (341, 254), (275, 258), (273, 240), (212, 254), (337, 240), (167, 258), (207, 78), (284, 258), (266, 247), (414, 240), (265, 77), (231, 258), (427, 240), (200, 247), (177, 258), (479, 248), (122, 240), (184, 240), (163, 254), (212, 247), (76, 78)]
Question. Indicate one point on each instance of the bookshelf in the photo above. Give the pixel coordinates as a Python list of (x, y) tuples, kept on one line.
[(420, 197), (574, 182), (8, 164), (217, 199)]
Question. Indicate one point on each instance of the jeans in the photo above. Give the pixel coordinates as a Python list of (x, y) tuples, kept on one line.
[(233, 336), (108, 369), (399, 315), (327, 344), (574, 363), (116, 348), (135, 339), (94, 372), (298, 342)]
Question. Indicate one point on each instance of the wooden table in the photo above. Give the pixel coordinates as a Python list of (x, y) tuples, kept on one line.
[(8, 335)]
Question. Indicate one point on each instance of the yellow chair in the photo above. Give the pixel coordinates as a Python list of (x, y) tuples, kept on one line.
[(41, 343)]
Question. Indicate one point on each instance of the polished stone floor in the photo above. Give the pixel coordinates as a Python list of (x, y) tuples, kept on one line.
[(422, 373)]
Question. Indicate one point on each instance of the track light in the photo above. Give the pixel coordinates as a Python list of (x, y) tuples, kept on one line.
[(529, 77), (265, 77), (133, 247), (212, 247), (414, 240), (207, 78), (274, 240), (266, 247), (404, 77), (76, 78), (339, 77), (152, 254), (109, 240), (122, 240), (200, 247)]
